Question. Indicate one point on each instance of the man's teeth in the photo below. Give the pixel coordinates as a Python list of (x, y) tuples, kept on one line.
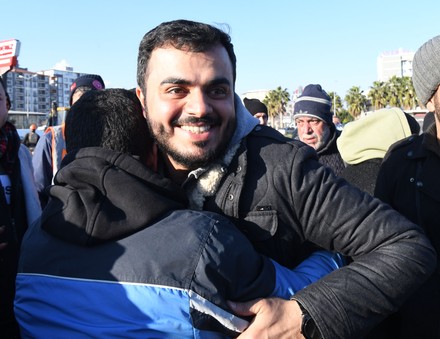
[(196, 129)]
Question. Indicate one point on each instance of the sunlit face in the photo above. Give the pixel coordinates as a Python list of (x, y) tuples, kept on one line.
[(3, 108), (312, 131), (189, 104)]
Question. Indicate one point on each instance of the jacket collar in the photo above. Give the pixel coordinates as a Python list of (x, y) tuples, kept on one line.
[(430, 140)]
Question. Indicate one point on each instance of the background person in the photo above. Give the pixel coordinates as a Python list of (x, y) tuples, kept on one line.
[(51, 149), (31, 138), (19, 207), (364, 142), (315, 127), (257, 109), (409, 182)]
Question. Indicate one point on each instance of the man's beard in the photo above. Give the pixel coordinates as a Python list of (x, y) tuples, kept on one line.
[(325, 138), (437, 106), (187, 160)]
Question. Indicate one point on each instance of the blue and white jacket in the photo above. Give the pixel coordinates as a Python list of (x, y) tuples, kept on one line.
[(116, 254)]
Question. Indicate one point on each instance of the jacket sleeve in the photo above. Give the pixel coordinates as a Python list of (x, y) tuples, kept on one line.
[(316, 266), (42, 163), (392, 256), (32, 203), (230, 269)]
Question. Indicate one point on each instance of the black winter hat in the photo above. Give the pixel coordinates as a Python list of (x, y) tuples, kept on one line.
[(314, 102), (92, 81), (254, 106)]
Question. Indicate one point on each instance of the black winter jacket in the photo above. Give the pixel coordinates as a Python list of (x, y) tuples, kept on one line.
[(409, 181), (280, 196), (363, 175)]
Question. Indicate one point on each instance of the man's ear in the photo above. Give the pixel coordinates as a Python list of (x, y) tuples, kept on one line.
[(430, 105), (141, 98)]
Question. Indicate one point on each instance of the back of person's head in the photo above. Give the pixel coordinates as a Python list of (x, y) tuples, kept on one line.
[(183, 35), (371, 136), (112, 119), (426, 69), (314, 102), (84, 83)]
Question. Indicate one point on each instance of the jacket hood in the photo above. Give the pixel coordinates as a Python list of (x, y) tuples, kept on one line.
[(371, 136), (245, 122), (101, 195)]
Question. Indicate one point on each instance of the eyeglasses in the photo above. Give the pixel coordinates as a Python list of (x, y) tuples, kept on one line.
[(312, 122)]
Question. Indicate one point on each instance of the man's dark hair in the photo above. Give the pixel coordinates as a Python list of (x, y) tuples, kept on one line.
[(111, 119), (195, 36)]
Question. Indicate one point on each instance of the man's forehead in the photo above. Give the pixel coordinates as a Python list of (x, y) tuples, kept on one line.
[(172, 60), (216, 52), (307, 118)]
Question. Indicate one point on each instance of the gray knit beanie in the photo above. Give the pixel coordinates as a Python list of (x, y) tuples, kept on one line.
[(426, 69)]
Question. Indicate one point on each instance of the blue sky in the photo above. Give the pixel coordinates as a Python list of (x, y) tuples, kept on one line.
[(278, 43)]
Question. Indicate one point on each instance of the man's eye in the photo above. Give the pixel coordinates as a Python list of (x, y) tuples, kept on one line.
[(176, 90), (218, 91)]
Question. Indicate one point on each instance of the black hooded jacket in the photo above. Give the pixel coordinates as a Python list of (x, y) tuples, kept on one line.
[(98, 198)]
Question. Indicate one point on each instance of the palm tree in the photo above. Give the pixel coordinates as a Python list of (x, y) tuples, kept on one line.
[(344, 116), (378, 95), (336, 103), (356, 101), (394, 91), (276, 102), (409, 94)]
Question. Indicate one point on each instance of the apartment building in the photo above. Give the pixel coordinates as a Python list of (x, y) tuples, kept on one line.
[(394, 63)]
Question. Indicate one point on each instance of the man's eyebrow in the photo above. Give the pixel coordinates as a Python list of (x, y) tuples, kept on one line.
[(219, 81), (181, 81), (175, 81)]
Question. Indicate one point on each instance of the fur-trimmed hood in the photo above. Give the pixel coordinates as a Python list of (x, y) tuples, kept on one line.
[(208, 178)]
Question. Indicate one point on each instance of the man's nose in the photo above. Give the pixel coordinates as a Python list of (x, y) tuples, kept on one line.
[(308, 127), (198, 103)]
